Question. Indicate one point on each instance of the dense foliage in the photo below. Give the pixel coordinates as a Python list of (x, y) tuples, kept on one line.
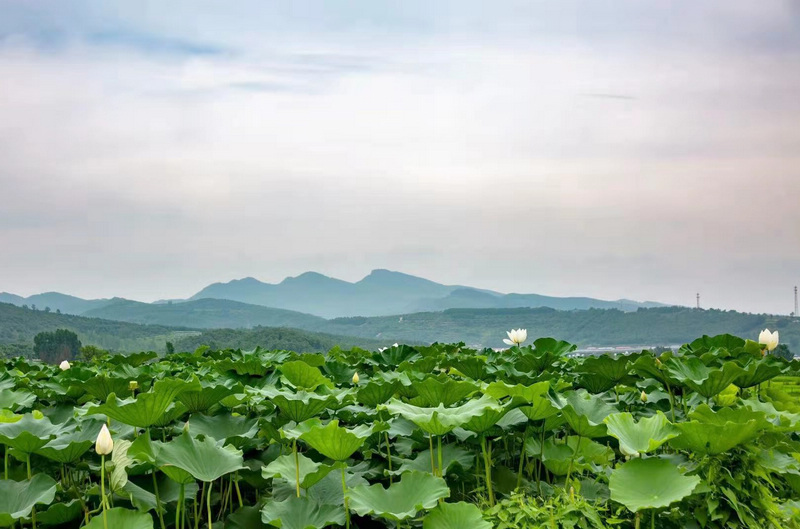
[(56, 346), (434, 437)]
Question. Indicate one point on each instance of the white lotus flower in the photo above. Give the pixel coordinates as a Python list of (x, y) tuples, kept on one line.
[(104, 444), (516, 336), (64, 365), (770, 339)]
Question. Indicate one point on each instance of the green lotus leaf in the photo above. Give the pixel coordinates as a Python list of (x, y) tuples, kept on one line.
[(714, 433), (376, 391), (441, 420), (784, 419), (473, 367), (17, 498), (69, 447), (455, 516), (101, 386), (28, 434), (120, 462), (120, 518), (146, 409), (707, 381), (302, 405), (433, 392), (207, 396), (394, 356), (16, 400), (247, 517), (205, 460), (60, 513), (9, 416), (334, 441), (577, 452), (303, 376), (650, 366), (649, 484), (451, 455), (168, 492), (594, 383), (585, 413), (486, 420), (606, 366), (640, 437), (284, 467), (402, 500), (302, 513), (223, 427), (757, 371)]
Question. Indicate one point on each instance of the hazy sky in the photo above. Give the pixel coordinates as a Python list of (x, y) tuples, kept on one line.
[(602, 148)]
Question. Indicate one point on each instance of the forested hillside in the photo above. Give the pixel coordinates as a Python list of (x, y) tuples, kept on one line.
[(594, 327), (274, 338), (18, 326)]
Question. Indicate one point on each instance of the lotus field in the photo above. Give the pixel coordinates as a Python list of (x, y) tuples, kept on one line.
[(438, 437)]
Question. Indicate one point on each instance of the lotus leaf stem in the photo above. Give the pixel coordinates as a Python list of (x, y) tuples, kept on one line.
[(158, 501), (522, 458), (487, 463), (433, 464), (441, 468), (208, 503), (296, 467), (238, 492), (388, 455), (346, 503), (102, 490)]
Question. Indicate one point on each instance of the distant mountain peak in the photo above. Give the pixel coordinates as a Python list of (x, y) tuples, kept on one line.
[(307, 277)]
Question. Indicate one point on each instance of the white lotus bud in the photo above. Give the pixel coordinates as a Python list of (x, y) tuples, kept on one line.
[(770, 339), (104, 444)]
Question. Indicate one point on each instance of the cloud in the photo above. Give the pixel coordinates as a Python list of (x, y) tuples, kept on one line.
[(569, 150)]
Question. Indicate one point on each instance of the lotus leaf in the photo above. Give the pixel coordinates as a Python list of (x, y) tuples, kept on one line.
[(28, 434), (402, 500), (440, 420), (643, 436), (455, 516), (712, 432), (120, 518), (334, 441), (146, 409), (433, 392), (205, 460), (309, 470), (17, 498), (303, 376), (302, 513), (585, 413), (649, 484)]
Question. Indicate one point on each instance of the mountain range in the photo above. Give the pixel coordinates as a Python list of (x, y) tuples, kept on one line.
[(381, 293)]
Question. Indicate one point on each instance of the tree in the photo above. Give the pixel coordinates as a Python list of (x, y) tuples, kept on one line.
[(170, 348), (57, 346), (90, 352), (783, 351), (47, 309)]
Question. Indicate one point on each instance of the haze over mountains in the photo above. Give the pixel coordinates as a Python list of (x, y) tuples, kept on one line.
[(381, 293)]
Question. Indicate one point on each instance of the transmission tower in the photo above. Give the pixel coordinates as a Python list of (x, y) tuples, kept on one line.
[(796, 314), (698, 300)]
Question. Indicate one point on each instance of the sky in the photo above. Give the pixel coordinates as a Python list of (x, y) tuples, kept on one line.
[(604, 148)]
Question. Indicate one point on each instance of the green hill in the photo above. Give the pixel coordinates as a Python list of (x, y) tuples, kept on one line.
[(18, 326), (593, 327), (204, 314), (274, 338)]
